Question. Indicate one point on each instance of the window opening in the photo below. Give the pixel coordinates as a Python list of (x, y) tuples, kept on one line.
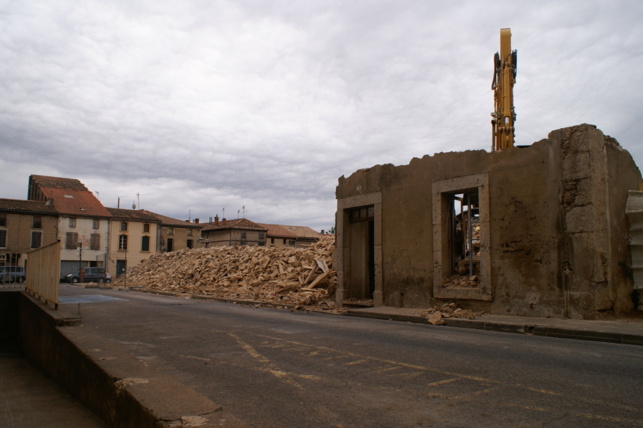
[(122, 242), (464, 238), (94, 243), (36, 239), (146, 228), (72, 222), (145, 243), (123, 226), (71, 240), (37, 222), (96, 223)]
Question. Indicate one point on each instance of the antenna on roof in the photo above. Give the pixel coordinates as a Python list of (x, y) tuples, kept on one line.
[(138, 198), (244, 211), (223, 213), (189, 215)]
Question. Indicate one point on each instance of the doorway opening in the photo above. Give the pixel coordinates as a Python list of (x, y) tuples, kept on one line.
[(362, 251)]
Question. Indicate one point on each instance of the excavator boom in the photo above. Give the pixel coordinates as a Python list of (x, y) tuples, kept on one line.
[(504, 77)]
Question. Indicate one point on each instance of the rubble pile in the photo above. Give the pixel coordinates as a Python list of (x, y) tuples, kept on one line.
[(281, 275), (449, 310)]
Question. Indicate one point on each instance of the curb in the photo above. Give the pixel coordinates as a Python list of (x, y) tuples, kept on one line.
[(526, 329)]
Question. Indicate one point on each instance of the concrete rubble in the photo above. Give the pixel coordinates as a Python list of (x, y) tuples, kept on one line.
[(275, 275)]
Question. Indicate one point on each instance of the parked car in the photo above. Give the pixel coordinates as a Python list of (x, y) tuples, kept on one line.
[(12, 274), (90, 274)]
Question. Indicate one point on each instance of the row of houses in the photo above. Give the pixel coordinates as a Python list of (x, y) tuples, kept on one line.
[(90, 234)]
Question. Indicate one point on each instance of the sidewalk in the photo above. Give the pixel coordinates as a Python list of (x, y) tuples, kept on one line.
[(627, 331), (28, 398)]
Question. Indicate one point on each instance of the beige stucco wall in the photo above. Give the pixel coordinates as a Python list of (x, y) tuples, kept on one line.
[(84, 228), (180, 236), (557, 232), (19, 228), (134, 253)]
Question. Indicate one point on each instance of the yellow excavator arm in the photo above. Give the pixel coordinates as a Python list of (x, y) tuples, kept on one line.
[(504, 77)]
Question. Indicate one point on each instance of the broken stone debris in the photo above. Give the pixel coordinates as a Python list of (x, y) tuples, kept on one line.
[(437, 315), (277, 275)]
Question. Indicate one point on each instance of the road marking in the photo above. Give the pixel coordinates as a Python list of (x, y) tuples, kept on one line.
[(443, 382), (269, 367), (421, 370), (520, 406), (610, 418), (193, 357)]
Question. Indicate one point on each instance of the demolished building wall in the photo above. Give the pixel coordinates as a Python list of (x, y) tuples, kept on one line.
[(550, 220)]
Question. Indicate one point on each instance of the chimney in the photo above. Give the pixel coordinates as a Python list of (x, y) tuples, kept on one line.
[(224, 221), (216, 220), (196, 221)]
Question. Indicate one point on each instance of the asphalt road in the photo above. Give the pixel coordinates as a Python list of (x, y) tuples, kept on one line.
[(275, 368)]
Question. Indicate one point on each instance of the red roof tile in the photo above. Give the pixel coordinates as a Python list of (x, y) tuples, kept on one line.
[(133, 215), (275, 230), (31, 207), (74, 202), (240, 223), (175, 222), (57, 182)]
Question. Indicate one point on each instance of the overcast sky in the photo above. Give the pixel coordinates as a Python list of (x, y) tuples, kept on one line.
[(197, 106)]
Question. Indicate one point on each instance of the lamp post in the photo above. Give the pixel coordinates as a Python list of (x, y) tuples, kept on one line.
[(81, 273)]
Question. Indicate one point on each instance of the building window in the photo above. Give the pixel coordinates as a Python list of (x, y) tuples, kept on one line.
[(96, 224), (170, 244), (145, 243), (189, 232), (72, 222), (170, 231), (3, 238), (122, 242), (123, 226), (3, 219), (95, 242), (36, 239), (189, 243), (37, 222), (461, 253), (146, 228), (262, 236), (71, 240)]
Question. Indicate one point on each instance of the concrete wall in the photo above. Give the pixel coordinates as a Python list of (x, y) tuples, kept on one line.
[(553, 237), (99, 372)]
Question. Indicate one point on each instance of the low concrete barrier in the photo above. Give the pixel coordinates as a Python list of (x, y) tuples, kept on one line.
[(103, 376)]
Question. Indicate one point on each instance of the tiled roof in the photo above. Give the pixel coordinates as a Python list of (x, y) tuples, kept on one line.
[(31, 207), (275, 230), (174, 222), (135, 215), (240, 223), (304, 232), (75, 202), (58, 183)]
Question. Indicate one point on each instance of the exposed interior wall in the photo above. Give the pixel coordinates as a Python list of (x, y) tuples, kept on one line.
[(552, 235)]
